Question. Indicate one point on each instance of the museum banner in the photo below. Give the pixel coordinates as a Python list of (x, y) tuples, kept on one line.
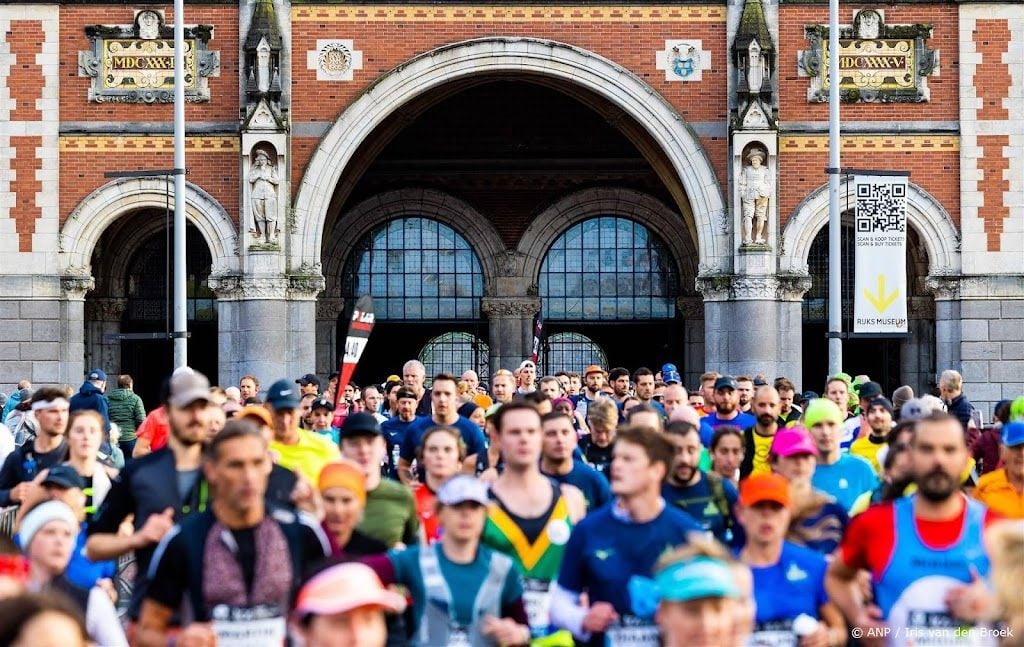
[(880, 282)]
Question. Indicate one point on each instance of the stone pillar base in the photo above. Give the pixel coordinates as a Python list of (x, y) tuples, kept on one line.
[(511, 329)]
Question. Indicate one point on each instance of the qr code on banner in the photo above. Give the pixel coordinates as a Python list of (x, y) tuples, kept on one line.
[(881, 207)]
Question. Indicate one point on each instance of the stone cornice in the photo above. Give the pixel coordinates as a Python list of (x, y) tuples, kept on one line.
[(509, 307)]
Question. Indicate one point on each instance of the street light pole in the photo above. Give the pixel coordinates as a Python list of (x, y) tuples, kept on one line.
[(835, 285), (180, 333)]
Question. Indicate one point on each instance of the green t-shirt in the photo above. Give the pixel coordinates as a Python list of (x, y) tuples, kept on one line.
[(390, 514), (464, 580)]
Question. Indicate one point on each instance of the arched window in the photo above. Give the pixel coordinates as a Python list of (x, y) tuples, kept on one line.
[(608, 268), (149, 276), (816, 300), (416, 268), (571, 352), (455, 352)]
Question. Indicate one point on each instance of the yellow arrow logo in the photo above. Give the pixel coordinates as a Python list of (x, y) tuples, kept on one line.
[(880, 300)]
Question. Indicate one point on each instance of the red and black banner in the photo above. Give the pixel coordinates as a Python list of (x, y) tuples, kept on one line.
[(359, 328)]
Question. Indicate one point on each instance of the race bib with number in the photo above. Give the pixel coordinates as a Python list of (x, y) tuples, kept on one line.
[(772, 639), (920, 618), (458, 637), (537, 599), (245, 626), (632, 632)]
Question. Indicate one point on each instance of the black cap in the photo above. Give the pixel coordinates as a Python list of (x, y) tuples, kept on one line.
[(726, 382), (760, 381), (64, 476), (869, 391), (881, 402), (308, 379), (360, 424), (322, 403)]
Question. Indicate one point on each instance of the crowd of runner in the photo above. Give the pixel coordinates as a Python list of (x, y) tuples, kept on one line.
[(606, 507)]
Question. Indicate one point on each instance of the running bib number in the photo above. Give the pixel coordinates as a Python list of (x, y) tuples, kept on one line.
[(632, 632), (457, 637), (772, 639), (537, 599), (245, 626)]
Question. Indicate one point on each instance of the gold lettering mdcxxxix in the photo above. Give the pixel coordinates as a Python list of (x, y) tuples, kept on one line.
[(873, 65), (130, 64)]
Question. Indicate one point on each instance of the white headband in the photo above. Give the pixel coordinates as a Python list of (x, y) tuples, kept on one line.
[(49, 404)]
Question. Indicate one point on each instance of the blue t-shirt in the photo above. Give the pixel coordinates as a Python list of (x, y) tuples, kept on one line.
[(464, 580), (604, 551), (742, 421), (471, 436), (793, 586), (394, 430), (823, 532), (699, 502), (846, 479), (590, 482)]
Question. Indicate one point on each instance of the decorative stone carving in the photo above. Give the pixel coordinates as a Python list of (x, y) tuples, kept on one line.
[(135, 63), (334, 60), (683, 60), (943, 288), (921, 308), (509, 307), (878, 63), (263, 199), (509, 263), (263, 45), (236, 287), (75, 285), (329, 308), (754, 288), (305, 286), (793, 287), (756, 188), (753, 57), (714, 287), (105, 308), (690, 307)]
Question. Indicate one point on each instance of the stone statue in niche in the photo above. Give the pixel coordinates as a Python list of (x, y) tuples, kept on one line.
[(263, 197), (869, 25), (263, 66), (149, 25), (757, 68), (755, 188)]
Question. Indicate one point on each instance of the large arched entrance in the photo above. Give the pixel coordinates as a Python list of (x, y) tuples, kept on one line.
[(932, 251), (492, 179)]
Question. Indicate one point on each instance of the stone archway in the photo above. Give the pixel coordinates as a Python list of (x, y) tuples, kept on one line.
[(94, 214), (921, 352), (924, 213), (522, 57)]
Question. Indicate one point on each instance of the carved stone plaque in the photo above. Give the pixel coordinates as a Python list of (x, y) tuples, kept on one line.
[(135, 63)]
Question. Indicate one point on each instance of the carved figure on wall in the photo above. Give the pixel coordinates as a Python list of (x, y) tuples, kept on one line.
[(149, 25), (756, 67), (263, 66), (755, 188), (869, 25), (264, 179)]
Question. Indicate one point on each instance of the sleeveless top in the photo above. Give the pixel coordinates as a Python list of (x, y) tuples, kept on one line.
[(911, 589), (438, 625), (539, 557), (425, 510)]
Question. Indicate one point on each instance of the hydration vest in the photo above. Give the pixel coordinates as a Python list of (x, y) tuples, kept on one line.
[(439, 625)]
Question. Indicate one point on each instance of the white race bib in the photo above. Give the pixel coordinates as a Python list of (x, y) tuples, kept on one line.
[(920, 618), (632, 632), (537, 599), (243, 627), (457, 637), (772, 638)]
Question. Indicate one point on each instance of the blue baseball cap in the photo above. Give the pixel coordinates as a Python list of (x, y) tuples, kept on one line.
[(283, 395), (96, 374), (670, 374), (1013, 433)]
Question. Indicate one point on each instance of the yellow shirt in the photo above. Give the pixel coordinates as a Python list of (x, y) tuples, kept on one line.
[(308, 456), (762, 447), (868, 450), (996, 492)]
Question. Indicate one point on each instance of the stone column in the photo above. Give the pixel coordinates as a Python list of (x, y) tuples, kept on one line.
[(71, 322), (267, 325), (103, 317), (328, 309), (511, 329), (692, 311), (948, 331), (752, 324)]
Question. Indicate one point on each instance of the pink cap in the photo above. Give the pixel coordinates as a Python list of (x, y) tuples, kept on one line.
[(345, 587), (791, 441)]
